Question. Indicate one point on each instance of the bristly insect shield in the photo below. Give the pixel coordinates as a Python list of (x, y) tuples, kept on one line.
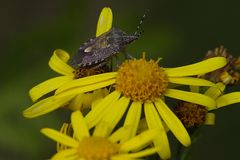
[(97, 50)]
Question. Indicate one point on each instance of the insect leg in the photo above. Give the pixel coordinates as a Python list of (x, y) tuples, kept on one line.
[(127, 55)]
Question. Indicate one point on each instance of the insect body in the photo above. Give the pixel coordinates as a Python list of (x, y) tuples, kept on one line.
[(96, 51), (102, 47)]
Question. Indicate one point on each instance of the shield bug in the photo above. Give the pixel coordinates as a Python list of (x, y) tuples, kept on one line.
[(96, 51)]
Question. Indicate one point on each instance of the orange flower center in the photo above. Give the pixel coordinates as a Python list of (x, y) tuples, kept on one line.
[(141, 80), (97, 148)]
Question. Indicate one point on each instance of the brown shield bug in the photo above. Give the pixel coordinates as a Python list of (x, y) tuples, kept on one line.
[(96, 51)]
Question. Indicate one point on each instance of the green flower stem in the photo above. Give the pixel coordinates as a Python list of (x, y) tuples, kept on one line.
[(183, 153)]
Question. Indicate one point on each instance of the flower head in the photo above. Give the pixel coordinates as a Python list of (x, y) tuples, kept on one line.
[(59, 63), (194, 115), (191, 114), (229, 74), (143, 83), (143, 80), (99, 146)]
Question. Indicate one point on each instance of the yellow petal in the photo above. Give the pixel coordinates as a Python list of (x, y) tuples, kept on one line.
[(81, 82), (104, 21), (215, 91), (101, 130), (190, 81), (68, 154), (87, 100), (194, 89), (45, 106), (228, 99), (173, 123), (59, 137), (98, 95), (87, 88), (196, 98), (132, 119), (139, 141), (112, 116), (95, 115), (133, 156), (95, 102), (79, 125), (48, 86), (117, 157), (126, 134), (210, 119), (77, 102), (58, 63), (154, 122), (202, 67), (118, 134), (142, 125)]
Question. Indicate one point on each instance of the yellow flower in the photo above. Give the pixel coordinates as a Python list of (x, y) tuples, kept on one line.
[(228, 99), (58, 63), (193, 115), (84, 146), (141, 82)]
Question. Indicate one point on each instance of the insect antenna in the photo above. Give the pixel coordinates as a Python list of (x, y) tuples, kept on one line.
[(138, 32)]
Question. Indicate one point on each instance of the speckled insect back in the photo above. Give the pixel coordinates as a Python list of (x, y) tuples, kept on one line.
[(101, 48), (96, 51)]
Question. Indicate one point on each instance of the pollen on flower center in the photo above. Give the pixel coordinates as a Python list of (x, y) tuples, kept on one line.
[(89, 71), (191, 114), (97, 148), (141, 80)]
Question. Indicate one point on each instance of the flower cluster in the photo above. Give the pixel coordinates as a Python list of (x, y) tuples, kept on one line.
[(123, 114)]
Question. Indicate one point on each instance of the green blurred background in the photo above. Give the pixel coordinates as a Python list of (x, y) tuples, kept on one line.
[(179, 31)]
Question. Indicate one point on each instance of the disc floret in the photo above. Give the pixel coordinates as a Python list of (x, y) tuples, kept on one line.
[(141, 80)]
